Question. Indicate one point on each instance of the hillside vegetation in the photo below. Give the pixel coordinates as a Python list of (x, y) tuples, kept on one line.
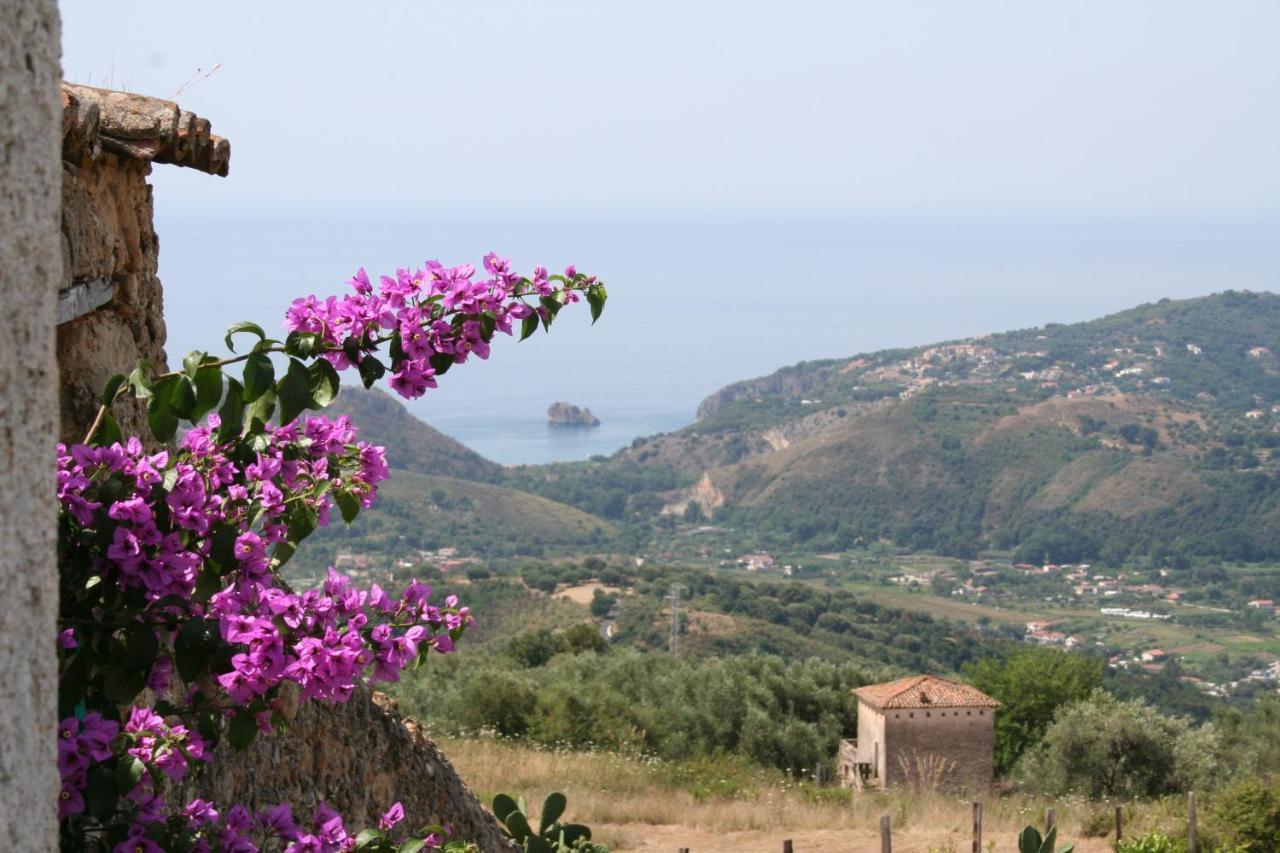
[(1146, 435)]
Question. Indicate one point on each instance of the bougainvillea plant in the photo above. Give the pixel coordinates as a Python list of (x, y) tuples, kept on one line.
[(177, 631)]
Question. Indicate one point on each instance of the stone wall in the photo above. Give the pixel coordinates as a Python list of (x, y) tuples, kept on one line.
[(30, 271), (359, 758), (959, 740), (871, 738), (110, 250)]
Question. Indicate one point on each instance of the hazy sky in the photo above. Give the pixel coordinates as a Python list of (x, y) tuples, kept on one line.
[(977, 109)]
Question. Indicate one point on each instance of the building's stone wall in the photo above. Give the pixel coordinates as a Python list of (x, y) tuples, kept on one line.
[(107, 236), (871, 739), (959, 740), (30, 271)]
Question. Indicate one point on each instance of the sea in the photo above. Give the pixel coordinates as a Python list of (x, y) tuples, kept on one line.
[(695, 302)]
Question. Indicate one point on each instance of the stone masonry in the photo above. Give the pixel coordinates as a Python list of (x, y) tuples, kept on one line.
[(30, 272), (922, 732)]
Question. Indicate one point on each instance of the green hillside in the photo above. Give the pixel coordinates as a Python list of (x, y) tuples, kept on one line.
[(1148, 434), (420, 512), (411, 444)]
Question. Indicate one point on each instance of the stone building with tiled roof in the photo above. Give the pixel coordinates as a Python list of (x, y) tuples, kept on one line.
[(923, 732)]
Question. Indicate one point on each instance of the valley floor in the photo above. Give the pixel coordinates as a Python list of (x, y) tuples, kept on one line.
[(650, 806)]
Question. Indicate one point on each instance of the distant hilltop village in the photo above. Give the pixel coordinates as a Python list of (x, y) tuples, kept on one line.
[(566, 414)]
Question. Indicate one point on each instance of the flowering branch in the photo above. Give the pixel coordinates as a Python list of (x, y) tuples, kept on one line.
[(170, 560)]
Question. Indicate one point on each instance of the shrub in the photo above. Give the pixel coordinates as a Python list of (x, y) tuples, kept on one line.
[(1103, 747), (1247, 815), (1152, 842)]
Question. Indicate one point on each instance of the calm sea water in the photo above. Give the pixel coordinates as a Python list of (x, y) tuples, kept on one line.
[(694, 304)]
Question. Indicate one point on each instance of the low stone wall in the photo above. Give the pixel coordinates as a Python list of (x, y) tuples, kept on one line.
[(359, 758)]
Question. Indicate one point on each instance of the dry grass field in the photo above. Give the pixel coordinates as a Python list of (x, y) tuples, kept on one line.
[(639, 805)]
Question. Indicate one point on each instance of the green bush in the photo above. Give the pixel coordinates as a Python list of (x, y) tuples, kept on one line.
[(1247, 816), (1031, 684), (1104, 747), (1152, 842)]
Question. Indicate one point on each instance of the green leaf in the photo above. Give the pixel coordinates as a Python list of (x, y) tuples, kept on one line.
[(259, 376), (552, 808), (324, 383), (596, 296), (371, 370), (108, 431), (222, 546), (160, 415), (243, 729), (129, 772), (301, 344), (183, 399), (302, 522), (193, 647), (396, 349), (349, 504), (140, 382), (294, 391), (258, 413), (368, 836), (122, 686), (528, 325), (232, 412), (142, 649), (351, 348), (208, 583), (191, 362), (413, 845), (112, 388), (100, 793), (208, 384), (281, 554), (441, 362), (252, 328)]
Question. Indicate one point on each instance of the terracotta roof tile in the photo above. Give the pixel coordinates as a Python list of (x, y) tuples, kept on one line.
[(137, 127), (924, 691)]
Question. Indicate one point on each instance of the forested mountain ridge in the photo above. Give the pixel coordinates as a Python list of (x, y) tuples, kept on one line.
[(1147, 433), (411, 444)]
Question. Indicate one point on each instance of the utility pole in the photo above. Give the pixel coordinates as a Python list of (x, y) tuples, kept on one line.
[(673, 599)]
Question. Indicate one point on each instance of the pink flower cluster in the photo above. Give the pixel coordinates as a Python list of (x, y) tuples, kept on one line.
[(240, 831), (417, 305), (81, 742), (160, 546), (157, 522), (325, 640)]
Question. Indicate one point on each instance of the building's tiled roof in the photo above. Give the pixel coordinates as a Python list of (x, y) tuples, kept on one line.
[(137, 127), (924, 691)]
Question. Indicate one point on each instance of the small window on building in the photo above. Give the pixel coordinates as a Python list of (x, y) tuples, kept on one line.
[(896, 715), (927, 714), (912, 715), (968, 713)]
